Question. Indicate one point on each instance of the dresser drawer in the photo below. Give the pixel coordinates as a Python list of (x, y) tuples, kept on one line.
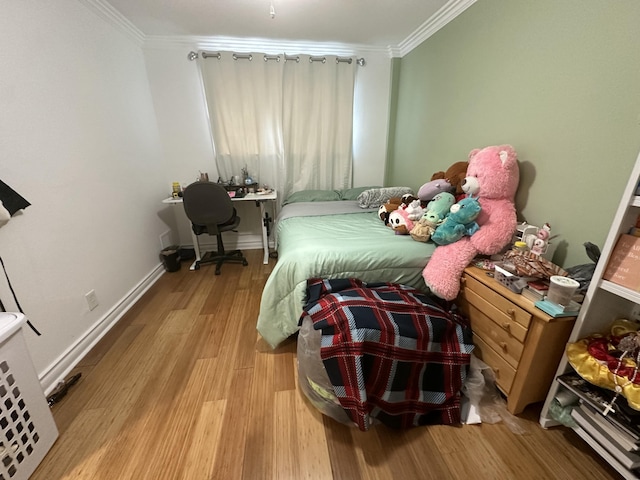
[(504, 372), (503, 321), (497, 338), (495, 306)]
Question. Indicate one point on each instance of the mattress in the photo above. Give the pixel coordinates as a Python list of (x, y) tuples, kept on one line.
[(332, 240)]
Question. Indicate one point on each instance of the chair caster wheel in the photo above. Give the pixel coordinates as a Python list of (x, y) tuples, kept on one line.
[(197, 266), (245, 263)]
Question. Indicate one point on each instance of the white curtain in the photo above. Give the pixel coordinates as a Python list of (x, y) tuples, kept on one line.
[(288, 122)]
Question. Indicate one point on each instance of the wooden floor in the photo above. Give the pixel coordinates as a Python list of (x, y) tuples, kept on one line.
[(183, 388)]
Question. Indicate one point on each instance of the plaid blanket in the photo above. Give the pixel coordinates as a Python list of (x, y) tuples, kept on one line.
[(391, 352)]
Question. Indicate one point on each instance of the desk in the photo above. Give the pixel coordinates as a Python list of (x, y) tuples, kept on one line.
[(260, 200)]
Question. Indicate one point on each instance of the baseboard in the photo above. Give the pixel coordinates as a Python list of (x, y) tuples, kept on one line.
[(61, 367)]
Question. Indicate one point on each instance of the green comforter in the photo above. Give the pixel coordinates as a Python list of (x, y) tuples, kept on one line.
[(314, 242)]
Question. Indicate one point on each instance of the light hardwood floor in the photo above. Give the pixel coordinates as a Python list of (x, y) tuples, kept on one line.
[(183, 388)]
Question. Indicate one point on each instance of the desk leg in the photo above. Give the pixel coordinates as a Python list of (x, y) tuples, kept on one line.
[(196, 249), (265, 237)]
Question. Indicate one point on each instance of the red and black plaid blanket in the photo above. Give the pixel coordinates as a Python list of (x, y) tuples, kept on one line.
[(391, 352)]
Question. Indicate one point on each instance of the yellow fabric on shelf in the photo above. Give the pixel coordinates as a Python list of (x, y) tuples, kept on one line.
[(598, 372)]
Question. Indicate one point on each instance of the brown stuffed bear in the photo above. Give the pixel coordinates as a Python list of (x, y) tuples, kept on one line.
[(454, 175)]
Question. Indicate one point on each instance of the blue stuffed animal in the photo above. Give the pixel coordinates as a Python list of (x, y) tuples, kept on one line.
[(459, 222)]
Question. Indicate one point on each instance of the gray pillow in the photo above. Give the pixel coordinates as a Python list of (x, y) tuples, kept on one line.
[(353, 193), (312, 196), (375, 197)]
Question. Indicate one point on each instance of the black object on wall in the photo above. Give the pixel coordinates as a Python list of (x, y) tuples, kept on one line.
[(11, 199)]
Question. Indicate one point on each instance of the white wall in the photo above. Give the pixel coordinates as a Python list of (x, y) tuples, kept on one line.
[(80, 142), (94, 130), (182, 118)]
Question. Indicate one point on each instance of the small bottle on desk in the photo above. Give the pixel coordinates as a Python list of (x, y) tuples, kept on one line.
[(520, 247), (175, 189)]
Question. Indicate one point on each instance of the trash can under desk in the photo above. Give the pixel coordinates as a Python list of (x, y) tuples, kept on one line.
[(27, 428)]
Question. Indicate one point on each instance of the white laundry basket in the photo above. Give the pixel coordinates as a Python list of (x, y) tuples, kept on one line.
[(27, 428)]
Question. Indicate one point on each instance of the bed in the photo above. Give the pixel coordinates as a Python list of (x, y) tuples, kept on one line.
[(333, 237)]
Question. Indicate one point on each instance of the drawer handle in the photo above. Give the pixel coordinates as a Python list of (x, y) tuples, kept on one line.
[(503, 346), (506, 326)]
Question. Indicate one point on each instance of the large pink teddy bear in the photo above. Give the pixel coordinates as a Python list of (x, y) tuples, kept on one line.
[(493, 176)]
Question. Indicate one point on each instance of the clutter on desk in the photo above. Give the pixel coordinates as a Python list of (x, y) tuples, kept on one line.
[(535, 239), (529, 264), (246, 178), (557, 310), (176, 190)]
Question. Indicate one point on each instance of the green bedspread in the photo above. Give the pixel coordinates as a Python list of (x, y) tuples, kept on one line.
[(352, 244)]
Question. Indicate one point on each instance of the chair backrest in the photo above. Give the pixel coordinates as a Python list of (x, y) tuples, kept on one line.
[(207, 203)]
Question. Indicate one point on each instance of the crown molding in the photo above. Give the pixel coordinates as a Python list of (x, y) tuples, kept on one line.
[(447, 13), (104, 10)]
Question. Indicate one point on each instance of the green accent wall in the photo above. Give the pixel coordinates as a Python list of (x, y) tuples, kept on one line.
[(558, 80)]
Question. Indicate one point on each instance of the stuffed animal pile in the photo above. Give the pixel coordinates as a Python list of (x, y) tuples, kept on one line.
[(401, 213), (455, 175), (448, 181), (492, 177), (481, 222), (459, 222), (433, 216)]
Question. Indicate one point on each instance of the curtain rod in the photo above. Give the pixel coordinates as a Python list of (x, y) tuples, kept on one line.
[(287, 58)]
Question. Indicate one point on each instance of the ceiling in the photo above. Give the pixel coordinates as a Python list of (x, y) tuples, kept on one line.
[(374, 23)]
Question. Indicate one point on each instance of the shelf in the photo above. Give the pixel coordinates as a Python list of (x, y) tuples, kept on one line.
[(621, 291), (608, 457), (604, 302)]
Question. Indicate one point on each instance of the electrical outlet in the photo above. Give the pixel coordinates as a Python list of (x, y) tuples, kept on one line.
[(92, 299)]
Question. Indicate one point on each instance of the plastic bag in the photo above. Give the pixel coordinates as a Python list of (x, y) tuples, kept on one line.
[(312, 376), (480, 388), (583, 273)]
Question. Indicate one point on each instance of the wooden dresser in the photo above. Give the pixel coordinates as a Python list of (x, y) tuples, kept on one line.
[(521, 343)]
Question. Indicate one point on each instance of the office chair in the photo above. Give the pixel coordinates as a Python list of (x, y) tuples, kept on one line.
[(210, 211)]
